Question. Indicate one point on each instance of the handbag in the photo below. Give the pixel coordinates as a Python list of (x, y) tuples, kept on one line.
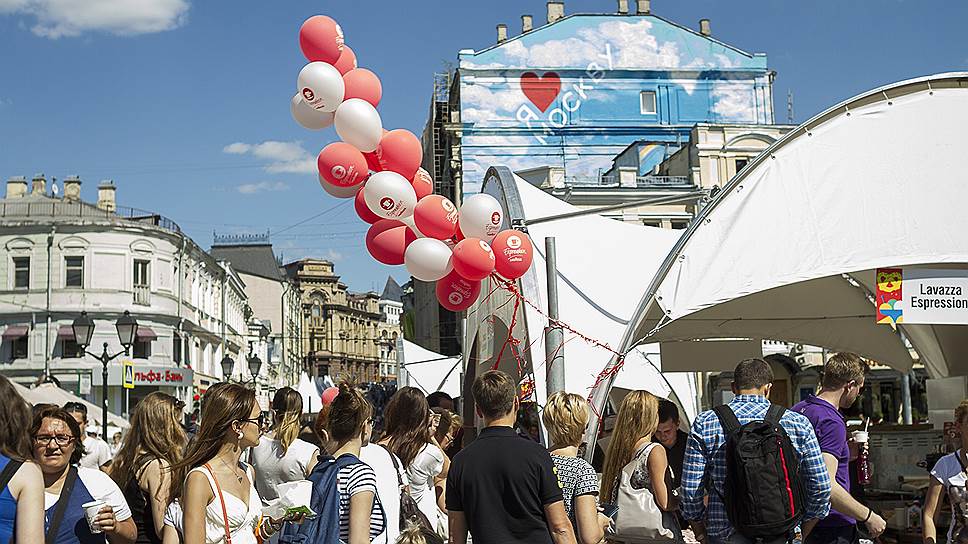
[(639, 519), (410, 513)]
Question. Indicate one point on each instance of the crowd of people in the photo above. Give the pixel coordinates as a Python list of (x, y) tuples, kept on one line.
[(749, 471)]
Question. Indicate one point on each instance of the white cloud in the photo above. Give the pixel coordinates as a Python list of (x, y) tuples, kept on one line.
[(282, 157), (334, 256), (734, 102), (69, 18), (262, 187)]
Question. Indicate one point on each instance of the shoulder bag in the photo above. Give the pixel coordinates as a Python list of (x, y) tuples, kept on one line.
[(410, 513)]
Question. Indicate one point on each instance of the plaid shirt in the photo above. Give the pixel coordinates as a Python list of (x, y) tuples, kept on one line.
[(706, 444)]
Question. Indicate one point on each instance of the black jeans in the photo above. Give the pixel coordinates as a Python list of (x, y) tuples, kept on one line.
[(846, 534)]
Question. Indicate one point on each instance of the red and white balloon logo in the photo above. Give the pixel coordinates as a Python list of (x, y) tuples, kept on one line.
[(496, 218), (455, 298), (338, 172), (386, 203), (514, 242), (308, 94)]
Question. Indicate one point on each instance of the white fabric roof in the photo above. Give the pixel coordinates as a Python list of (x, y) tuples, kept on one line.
[(51, 394), (312, 402), (603, 266), (430, 371), (788, 250)]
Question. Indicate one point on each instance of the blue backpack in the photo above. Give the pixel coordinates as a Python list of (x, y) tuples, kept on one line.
[(325, 502)]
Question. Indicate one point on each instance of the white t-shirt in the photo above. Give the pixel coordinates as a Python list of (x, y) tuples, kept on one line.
[(273, 467), (102, 488), (387, 487), (96, 453), (949, 472), (421, 472)]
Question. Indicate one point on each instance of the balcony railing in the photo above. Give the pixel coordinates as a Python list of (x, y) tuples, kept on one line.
[(142, 295), (640, 181), (69, 208)]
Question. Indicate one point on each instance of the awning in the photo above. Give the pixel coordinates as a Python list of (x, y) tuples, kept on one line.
[(65, 331), (15, 331), (146, 334)]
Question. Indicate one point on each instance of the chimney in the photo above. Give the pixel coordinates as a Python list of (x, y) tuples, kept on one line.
[(643, 7), (526, 23), (16, 187), (556, 10), (72, 188), (704, 27), (623, 7), (38, 185), (105, 196), (502, 33)]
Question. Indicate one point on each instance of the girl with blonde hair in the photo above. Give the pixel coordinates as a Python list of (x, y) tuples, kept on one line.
[(566, 417), (280, 457), (142, 468)]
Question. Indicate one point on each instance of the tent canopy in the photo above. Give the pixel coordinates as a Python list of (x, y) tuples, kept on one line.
[(430, 371), (788, 250), (49, 393)]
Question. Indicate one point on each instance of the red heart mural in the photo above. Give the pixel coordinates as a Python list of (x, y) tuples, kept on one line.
[(541, 91)]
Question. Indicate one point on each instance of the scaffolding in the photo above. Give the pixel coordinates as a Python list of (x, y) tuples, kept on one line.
[(441, 116)]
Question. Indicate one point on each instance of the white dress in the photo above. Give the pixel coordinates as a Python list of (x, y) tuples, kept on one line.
[(273, 466), (425, 467), (387, 486), (242, 519)]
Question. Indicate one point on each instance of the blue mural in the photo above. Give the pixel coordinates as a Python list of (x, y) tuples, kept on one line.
[(578, 92)]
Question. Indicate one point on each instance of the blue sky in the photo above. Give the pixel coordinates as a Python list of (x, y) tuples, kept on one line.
[(150, 93)]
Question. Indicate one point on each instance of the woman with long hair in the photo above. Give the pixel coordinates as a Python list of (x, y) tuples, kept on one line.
[(566, 417), (215, 488), (280, 456), (58, 448), (22, 486), (631, 442), (142, 467)]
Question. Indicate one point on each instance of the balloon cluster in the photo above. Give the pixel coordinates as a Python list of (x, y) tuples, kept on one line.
[(380, 169)]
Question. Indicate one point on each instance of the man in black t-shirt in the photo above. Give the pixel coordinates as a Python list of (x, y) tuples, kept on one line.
[(672, 438), (503, 488)]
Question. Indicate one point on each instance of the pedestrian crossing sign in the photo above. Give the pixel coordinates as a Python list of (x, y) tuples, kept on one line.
[(128, 375)]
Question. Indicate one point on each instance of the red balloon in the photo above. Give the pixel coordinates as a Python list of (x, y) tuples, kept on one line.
[(456, 293), (342, 164), (347, 60), (372, 162), (436, 217), (400, 152), (513, 253), (363, 210), (422, 183), (362, 83), (321, 39), (329, 394), (473, 259), (387, 241)]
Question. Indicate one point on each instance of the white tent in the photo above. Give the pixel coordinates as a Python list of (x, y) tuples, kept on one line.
[(49, 393), (429, 371), (312, 402), (602, 265), (788, 249)]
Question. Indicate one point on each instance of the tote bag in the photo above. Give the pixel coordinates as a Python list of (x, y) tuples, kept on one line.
[(640, 520)]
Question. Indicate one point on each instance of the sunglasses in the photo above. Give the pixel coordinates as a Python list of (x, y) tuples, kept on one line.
[(262, 421)]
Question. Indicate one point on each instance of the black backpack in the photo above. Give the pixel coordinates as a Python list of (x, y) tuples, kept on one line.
[(764, 494)]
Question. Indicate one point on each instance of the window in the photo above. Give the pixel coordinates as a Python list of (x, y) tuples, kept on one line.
[(141, 349), (18, 348), (740, 164), (74, 267), (679, 225), (70, 349), (176, 348), (652, 223), (141, 278), (647, 102), (21, 272)]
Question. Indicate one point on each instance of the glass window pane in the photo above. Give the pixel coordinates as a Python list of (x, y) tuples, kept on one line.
[(647, 102), (21, 274), (74, 271)]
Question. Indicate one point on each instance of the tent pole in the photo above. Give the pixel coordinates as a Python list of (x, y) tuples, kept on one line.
[(906, 398), (554, 336)]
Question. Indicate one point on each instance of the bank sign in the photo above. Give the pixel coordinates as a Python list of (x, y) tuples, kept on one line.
[(140, 375), (919, 296)]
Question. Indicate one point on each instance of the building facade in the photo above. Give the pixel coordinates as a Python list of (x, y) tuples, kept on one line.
[(391, 312), (345, 335), (62, 256)]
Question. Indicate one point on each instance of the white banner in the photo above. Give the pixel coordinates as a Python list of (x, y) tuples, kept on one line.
[(935, 297)]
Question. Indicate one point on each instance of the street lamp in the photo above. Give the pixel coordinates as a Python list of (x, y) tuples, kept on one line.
[(255, 363), (228, 364), (83, 328)]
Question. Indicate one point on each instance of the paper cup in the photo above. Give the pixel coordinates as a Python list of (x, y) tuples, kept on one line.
[(860, 437), (91, 510)]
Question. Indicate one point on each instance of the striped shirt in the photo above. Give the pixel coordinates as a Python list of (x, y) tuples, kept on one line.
[(350, 481), (705, 447)]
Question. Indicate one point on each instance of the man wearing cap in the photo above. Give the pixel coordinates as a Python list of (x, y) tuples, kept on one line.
[(97, 452)]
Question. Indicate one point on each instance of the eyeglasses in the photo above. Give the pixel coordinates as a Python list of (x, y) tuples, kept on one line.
[(59, 439), (179, 404)]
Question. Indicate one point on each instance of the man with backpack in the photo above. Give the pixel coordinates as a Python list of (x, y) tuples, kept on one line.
[(753, 471), (842, 382)]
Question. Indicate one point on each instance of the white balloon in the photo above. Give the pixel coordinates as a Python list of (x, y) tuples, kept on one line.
[(389, 195), (428, 259), (321, 86), (307, 116), (337, 191), (358, 124), (481, 216)]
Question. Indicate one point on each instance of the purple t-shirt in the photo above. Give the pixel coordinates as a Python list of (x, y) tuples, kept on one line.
[(831, 429)]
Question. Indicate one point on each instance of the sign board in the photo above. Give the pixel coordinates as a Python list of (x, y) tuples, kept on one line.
[(127, 376), (84, 385), (154, 375), (922, 296)]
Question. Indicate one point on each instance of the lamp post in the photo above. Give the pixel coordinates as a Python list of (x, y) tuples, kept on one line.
[(83, 328), (255, 363), (228, 364)]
